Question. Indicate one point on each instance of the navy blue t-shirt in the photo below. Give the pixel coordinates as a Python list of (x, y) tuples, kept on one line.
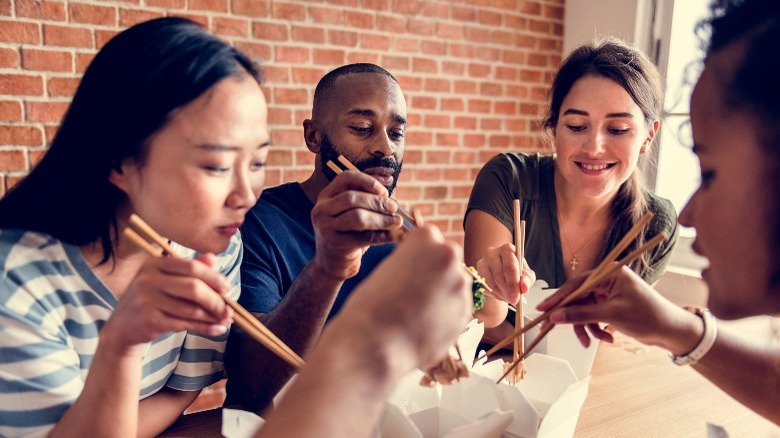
[(279, 241)]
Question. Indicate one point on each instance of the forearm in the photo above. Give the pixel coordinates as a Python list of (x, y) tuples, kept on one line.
[(255, 373), (748, 371), (108, 403), (341, 362), (159, 411), (493, 313)]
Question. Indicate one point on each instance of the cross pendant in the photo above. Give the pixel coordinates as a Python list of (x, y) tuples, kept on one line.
[(573, 262)]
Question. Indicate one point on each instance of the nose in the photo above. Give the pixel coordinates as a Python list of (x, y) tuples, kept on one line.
[(383, 145), (687, 217), (246, 189), (594, 144)]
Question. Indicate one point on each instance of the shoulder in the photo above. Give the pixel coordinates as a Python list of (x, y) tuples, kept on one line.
[(19, 247), (36, 270), (520, 161), (665, 216), (522, 167), (281, 193), (283, 202)]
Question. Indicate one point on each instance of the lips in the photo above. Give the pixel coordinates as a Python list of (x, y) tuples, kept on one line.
[(593, 168), (229, 230), (382, 174)]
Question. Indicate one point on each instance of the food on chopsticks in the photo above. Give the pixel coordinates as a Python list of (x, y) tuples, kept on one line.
[(445, 372), (145, 237), (478, 288)]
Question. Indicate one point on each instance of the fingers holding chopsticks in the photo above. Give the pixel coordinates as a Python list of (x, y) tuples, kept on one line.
[(624, 301), (171, 295), (352, 213), (354, 201), (503, 273)]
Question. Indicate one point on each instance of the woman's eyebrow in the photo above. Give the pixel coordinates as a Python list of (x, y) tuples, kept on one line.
[(579, 112), (217, 147)]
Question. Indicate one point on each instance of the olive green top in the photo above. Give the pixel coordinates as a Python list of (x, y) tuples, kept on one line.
[(529, 178)]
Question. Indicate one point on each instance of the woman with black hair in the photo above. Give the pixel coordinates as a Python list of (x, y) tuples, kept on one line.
[(735, 119), (169, 122)]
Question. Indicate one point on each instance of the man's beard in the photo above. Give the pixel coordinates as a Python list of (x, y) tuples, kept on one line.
[(329, 152)]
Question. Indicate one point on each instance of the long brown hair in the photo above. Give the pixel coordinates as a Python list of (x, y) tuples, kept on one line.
[(613, 59)]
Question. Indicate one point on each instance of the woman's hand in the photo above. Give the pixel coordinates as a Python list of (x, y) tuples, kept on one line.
[(628, 304), (502, 273), (170, 295)]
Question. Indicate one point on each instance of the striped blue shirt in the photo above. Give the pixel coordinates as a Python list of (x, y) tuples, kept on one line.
[(52, 307)]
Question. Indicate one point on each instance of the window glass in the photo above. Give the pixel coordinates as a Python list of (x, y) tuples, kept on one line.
[(677, 174)]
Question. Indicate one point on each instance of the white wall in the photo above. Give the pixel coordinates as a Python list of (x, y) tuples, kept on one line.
[(629, 20)]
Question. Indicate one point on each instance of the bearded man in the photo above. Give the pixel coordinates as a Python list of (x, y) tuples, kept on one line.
[(308, 244)]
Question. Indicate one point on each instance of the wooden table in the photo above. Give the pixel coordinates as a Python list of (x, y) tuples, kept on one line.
[(635, 391)]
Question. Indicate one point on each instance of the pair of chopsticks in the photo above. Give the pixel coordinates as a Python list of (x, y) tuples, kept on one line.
[(604, 270), (518, 353), (414, 218), (403, 212), (241, 316)]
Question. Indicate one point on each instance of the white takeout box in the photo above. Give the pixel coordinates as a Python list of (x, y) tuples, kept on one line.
[(544, 404), (561, 342)]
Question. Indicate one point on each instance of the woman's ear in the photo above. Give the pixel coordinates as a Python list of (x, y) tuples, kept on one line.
[(311, 135), (120, 176), (650, 136)]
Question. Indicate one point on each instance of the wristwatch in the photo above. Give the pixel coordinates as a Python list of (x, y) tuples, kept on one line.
[(706, 341)]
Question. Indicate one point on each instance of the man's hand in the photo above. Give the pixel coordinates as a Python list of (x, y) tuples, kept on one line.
[(352, 213)]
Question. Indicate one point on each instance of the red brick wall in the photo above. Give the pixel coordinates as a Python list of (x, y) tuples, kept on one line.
[(474, 73)]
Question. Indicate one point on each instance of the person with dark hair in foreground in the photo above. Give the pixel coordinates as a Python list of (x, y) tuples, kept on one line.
[(308, 245), (100, 338), (735, 118)]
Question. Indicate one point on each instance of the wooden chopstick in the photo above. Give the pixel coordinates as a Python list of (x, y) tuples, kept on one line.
[(606, 268), (518, 353), (546, 328), (241, 316)]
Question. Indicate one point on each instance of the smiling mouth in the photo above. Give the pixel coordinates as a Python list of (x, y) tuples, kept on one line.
[(594, 167)]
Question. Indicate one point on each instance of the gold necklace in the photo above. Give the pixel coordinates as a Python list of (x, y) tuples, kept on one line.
[(573, 262)]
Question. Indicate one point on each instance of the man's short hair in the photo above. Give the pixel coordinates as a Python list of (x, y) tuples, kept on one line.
[(325, 85)]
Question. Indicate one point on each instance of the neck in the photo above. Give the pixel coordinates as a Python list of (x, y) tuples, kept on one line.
[(578, 208), (123, 265), (314, 184)]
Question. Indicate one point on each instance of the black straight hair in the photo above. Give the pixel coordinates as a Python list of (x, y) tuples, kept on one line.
[(128, 92)]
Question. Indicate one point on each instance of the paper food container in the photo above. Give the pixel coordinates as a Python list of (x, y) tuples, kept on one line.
[(546, 403), (561, 342)]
